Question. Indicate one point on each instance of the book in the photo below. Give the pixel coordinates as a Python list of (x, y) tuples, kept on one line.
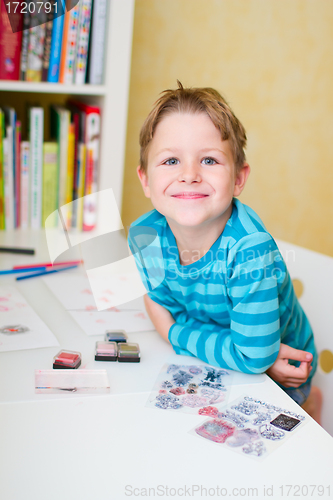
[(77, 118), (10, 43), (97, 43), (81, 55), (56, 44), (10, 124), (35, 52), (17, 174), (36, 135), (60, 122), (8, 177), (50, 179), (91, 133), (70, 173), (67, 62), (2, 187), (81, 176), (25, 45), (47, 46), (24, 184)]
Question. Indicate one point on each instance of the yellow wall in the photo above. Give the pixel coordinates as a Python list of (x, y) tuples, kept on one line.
[(273, 62)]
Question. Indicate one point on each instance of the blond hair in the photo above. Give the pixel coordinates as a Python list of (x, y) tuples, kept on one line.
[(195, 100)]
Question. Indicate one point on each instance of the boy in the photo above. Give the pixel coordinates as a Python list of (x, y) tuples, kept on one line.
[(226, 295)]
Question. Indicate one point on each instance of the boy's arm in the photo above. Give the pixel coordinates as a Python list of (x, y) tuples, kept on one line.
[(160, 317), (289, 375), (251, 343)]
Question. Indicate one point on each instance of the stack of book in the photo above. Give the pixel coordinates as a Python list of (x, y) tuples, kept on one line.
[(48, 47), (37, 178)]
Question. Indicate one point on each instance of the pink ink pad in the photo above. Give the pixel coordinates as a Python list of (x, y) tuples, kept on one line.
[(67, 359), (106, 351)]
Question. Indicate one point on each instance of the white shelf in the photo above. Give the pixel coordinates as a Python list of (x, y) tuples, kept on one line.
[(52, 88), (112, 96)]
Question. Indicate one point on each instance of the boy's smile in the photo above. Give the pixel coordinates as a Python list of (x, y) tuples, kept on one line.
[(191, 176)]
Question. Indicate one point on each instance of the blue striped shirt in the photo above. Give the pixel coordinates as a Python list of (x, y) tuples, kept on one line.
[(235, 305)]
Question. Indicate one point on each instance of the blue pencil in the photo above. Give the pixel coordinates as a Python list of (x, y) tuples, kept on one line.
[(19, 271), (43, 273)]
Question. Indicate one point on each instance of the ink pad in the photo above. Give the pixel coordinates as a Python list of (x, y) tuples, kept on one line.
[(106, 351), (115, 336), (67, 360), (128, 353), (285, 422)]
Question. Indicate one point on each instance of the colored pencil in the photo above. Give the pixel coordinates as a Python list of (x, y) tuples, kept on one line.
[(27, 251), (44, 273), (49, 264), (19, 271)]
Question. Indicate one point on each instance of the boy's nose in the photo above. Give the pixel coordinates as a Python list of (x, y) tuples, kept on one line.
[(190, 172)]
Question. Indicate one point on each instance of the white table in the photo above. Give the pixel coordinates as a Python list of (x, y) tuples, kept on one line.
[(113, 447)]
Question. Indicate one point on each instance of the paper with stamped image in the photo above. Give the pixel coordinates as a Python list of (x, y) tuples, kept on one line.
[(189, 387), (77, 298), (20, 326)]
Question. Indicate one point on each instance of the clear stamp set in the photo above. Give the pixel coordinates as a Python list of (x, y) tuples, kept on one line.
[(185, 388), (249, 426)]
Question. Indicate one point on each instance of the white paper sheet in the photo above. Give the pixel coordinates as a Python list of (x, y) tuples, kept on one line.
[(25, 329), (96, 322), (75, 294)]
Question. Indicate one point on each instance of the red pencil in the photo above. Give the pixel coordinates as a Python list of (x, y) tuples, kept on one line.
[(49, 264)]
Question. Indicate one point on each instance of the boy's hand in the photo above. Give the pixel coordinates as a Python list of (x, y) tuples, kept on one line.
[(160, 317), (289, 375)]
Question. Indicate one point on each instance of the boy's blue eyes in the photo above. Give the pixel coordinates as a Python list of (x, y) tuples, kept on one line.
[(206, 161), (210, 160), (172, 161)]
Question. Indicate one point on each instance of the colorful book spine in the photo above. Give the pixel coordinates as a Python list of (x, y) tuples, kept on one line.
[(35, 53), (10, 44), (10, 121), (69, 44), (81, 175), (63, 155), (83, 42), (92, 143), (70, 173), (8, 178), (92, 126), (56, 43), (2, 186), (36, 162), (50, 179), (47, 46), (25, 45), (97, 45), (25, 184), (17, 175)]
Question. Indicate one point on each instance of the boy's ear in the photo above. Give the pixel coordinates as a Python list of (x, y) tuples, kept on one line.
[(143, 177), (241, 178)]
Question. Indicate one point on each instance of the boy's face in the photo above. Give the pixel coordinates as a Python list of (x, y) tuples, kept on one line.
[(191, 177)]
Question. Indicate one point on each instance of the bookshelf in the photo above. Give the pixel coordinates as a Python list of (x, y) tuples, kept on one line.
[(111, 97), (52, 88)]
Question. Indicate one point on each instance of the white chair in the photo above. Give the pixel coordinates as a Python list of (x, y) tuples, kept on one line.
[(312, 275)]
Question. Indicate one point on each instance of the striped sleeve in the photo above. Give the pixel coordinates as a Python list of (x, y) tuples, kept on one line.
[(251, 343)]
